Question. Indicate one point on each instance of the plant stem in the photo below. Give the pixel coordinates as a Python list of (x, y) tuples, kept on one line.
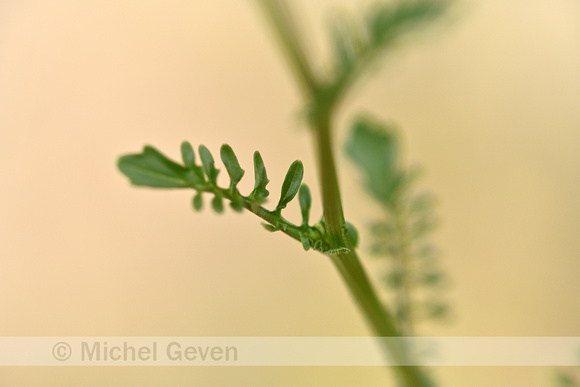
[(321, 103), (348, 263)]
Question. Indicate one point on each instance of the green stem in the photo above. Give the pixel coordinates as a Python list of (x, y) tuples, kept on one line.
[(346, 262), (282, 22)]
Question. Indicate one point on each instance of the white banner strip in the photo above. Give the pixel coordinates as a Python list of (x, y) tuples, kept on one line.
[(288, 351)]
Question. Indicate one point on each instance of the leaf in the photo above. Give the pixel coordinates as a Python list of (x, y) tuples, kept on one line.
[(373, 148), (422, 202), (232, 165), (291, 184), (197, 202), (388, 21), (187, 155), (269, 227), (260, 193), (427, 252), (393, 280), (305, 242), (422, 226), (208, 164), (153, 169), (195, 172), (218, 204), (352, 233), (305, 203), (344, 48), (432, 279), (564, 380), (237, 203), (436, 309)]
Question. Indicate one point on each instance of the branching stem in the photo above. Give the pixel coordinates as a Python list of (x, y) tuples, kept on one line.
[(347, 263)]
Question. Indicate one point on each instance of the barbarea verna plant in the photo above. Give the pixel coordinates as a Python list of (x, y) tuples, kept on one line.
[(373, 147)]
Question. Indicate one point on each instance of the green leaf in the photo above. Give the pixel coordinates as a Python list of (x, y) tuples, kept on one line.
[(432, 279), (291, 184), (422, 202), (305, 242), (195, 172), (305, 203), (373, 148), (260, 193), (564, 380), (388, 21), (218, 204), (153, 169), (393, 280), (187, 155), (232, 165), (197, 202), (208, 164), (422, 226), (352, 233), (237, 204), (344, 48), (269, 227), (436, 309)]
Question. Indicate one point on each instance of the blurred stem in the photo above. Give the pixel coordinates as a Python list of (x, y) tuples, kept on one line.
[(282, 22), (321, 101)]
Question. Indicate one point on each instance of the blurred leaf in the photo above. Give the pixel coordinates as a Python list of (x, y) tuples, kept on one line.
[(237, 203), (393, 279), (218, 204), (291, 184), (352, 233), (347, 44), (562, 379), (153, 169), (422, 226), (436, 309), (374, 149), (198, 202), (195, 172), (305, 203), (422, 202), (260, 193), (388, 21), (432, 279), (208, 164), (232, 165), (187, 155), (378, 248), (427, 251)]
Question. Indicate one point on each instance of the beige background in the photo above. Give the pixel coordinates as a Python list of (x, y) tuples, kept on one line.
[(489, 104)]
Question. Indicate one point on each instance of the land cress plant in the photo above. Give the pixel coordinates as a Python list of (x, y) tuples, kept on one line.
[(400, 236)]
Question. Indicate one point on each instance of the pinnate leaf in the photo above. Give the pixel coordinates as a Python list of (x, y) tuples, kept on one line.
[(373, 147), (218, 204), (208, 164), (291, 184), (305, 203), (260, 193), (232, 165), (197, 202), (153, 169)]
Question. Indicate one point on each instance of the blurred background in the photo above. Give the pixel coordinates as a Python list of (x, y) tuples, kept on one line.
[(488, 103)]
